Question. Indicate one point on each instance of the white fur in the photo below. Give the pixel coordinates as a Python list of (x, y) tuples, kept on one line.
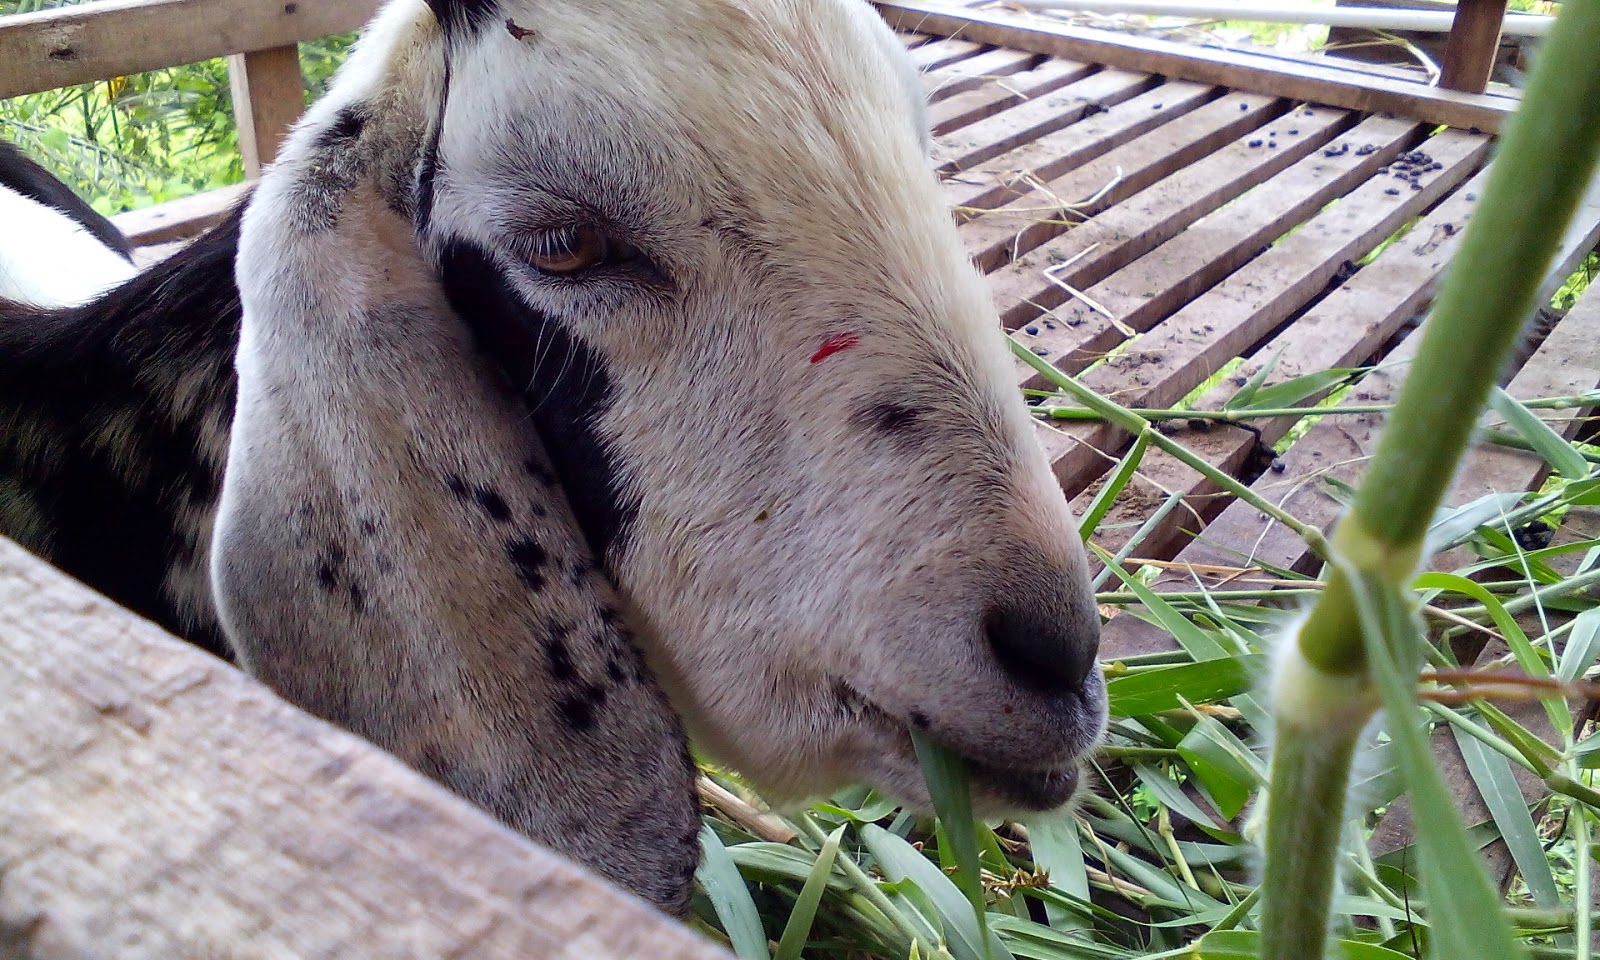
[(56, 262)]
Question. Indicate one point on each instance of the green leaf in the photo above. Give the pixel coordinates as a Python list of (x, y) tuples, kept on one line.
[(1053, 841), (1247, 392), (776, 862), (1291, 393), (731, 898), (1466, 919), (1246, 945), (1199, 644), (1457, 525), (805, 908), (1492, 774), (1557, 452), (1114, 484), (901, 861), (1166, 688), (1227, 770), (946, 776), (1583, 645)]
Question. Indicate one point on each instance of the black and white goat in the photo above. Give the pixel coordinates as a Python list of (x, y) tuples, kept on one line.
[(561, 326), (58, 251)]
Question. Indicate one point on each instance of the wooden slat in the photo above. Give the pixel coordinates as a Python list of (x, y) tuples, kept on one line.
[(1116, 237), (941, 53), (179, 219), (999, 181), (1474, 40), (1176, 272), (1241, 71), (975, 72), (97, 41), (158, 803), (269, 95), (1031, 219), (1339, 446), (971, 106), (1026, 122), (1188, 346)]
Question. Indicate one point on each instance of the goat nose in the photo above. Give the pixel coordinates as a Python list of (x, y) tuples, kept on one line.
[(1048, 654)]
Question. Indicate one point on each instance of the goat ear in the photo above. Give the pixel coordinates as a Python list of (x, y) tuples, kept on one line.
[(464, 15), (392, 551)]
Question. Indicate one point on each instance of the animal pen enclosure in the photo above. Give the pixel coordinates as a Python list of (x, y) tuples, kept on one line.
[(1148, 216)]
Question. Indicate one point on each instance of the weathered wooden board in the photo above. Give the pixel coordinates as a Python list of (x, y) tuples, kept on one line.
[(156, 803)]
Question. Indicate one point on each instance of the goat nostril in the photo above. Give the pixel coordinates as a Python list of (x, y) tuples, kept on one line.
[(1041, 653)]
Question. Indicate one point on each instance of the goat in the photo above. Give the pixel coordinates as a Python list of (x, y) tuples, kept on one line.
[(67, 252), (561, 327)]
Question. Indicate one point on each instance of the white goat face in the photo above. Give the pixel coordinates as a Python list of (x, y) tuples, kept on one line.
[(704, 237)]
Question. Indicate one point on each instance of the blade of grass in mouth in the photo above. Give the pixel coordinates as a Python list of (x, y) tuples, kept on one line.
[(945, 773)]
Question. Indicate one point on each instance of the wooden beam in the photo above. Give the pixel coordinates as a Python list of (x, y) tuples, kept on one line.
[(158, 803), (1474, 40), (112, 38), (269, 95), (179, 219), (1241, 71)]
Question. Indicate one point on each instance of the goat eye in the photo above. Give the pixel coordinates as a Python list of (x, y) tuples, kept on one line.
[(573, 250)]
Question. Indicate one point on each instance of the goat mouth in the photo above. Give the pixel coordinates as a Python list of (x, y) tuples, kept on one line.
[(995, 788)]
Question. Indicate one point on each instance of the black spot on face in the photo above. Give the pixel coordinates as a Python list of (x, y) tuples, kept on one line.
[(458, 486), (529, 559), (358, 598), (615, 671), (346, 127), (896, 418), (919, 720), (569, 388)]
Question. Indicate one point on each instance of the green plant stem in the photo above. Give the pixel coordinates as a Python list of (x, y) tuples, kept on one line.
[(1269, 413), (1121, 416), (867, 888)]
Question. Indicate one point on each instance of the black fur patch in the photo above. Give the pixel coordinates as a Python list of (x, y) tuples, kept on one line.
[(568, 388), (529, 559), (493, 504), (36, 183), (578, 708), (464, 16), (66, 373), (346, 128), (891, 416)]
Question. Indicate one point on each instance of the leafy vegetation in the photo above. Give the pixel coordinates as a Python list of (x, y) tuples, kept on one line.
[(1162, 857)]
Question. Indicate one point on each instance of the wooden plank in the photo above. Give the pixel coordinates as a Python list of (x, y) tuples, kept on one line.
[(941, 53), (989, 185), (962, 109), (1474, 40), (1115, 237), (975, 72), (158, 803), (1238, 70), (1025, 122), (112, 38), (997, 237), (179, 219), (269, 95), (1175, 357), (1339, 446), (1165, 279)]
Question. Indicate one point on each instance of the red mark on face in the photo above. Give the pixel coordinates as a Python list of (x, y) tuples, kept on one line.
[(832, 345)]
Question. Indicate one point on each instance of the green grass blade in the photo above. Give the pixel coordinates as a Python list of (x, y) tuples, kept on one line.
[(1053, 841), (731, 898), (946, 776), (1557, 452), (1291, 393), (1246, 394), (1166, 688), (1199, 644), (1492, 774), (1113, 486), (805, 908), (1583, 645), (1466, 917), (900, 861)]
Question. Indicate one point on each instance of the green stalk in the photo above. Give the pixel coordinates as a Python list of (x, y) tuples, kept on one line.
[(1358, 637)]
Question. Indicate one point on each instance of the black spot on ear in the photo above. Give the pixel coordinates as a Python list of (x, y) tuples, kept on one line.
[(529, 559), (889, 416), (464, 16), (493, 504), (559, 659), (578, 709), (358, 598), (329, 566), (458, 486)]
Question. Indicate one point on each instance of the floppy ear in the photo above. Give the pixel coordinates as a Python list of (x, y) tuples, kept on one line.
[(392, 552)]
